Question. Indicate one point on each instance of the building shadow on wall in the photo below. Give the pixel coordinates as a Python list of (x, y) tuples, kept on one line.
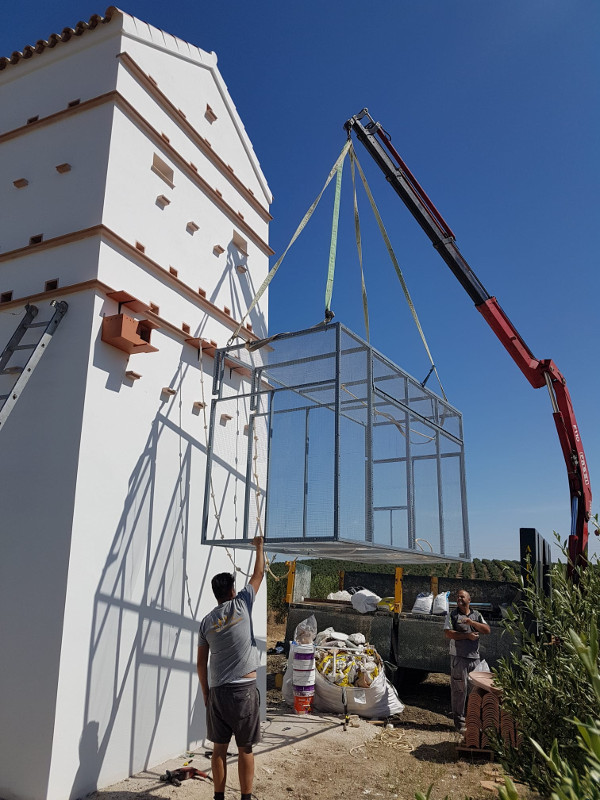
[(238, 275), (142, 648)]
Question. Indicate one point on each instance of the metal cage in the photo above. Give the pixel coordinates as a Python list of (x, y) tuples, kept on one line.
[(328, 449)]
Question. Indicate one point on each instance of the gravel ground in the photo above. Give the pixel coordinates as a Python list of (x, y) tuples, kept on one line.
[(314, 758)]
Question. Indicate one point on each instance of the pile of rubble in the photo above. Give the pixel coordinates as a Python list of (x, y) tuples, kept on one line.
[(346, 660)]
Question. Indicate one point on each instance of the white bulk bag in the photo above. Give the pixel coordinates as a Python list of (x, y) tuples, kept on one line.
[(377, 701)]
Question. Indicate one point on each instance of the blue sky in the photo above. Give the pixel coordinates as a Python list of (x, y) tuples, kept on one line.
[(494, 106)]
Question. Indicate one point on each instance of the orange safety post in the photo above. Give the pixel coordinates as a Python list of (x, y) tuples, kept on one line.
[(398, 590), (290, 582)]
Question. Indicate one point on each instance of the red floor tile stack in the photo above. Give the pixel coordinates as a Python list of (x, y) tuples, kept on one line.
[(484, 711)]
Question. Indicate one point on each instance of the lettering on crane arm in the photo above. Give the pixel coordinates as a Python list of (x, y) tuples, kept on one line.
[(584, 472)]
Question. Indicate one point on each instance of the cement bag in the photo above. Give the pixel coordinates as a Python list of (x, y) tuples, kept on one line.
[(441, 603), (423, 603), (377, 701), (364, 601)]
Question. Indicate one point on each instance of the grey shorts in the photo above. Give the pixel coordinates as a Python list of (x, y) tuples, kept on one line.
[(233, 709)]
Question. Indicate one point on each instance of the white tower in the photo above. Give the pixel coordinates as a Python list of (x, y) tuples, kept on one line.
[(130, 190)]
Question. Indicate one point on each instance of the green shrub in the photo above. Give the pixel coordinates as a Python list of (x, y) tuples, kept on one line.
[(494, 571), (544, 685), (276, 590), (479, 569), (571, 783), (510, 570), (321, 585), (453, 570)]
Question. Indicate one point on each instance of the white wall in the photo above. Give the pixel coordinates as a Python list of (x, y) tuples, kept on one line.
[(132, 211), (81, 68), (53, 203), (38, 472), (128, 688), (190, 82), (102, 477)]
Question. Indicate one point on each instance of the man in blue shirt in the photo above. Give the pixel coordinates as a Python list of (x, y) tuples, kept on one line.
[(231, 699), (463, 627)]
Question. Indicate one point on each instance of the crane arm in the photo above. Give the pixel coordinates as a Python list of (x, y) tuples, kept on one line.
[(538, 373)]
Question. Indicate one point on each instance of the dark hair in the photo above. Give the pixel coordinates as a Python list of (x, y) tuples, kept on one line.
[(222, 584)]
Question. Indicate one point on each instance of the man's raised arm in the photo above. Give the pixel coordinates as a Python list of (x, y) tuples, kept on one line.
[(259, 565)]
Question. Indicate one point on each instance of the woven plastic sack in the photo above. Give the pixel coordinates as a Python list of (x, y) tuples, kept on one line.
[(377, 701), (365, 601), (441, 604), (423, 603)]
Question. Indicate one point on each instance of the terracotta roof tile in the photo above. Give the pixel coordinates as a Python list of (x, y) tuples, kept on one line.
[(56, 38)]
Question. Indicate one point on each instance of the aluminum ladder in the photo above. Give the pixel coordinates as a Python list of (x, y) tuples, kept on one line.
[(37, 348)]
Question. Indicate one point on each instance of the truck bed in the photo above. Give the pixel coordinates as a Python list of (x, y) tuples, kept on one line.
[(411, 641)]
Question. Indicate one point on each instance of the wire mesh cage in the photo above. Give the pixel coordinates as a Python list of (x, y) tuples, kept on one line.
[(328, 449)]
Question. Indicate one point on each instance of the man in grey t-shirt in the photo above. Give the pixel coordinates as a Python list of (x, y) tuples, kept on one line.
[(463, 626), (231, 700)]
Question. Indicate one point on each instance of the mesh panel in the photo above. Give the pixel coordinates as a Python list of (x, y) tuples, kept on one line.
[(227, 476), (345, 454)]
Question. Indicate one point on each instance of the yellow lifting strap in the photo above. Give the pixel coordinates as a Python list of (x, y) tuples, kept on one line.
[(299, 230), (392, 255), (359, 247), (334, 237)]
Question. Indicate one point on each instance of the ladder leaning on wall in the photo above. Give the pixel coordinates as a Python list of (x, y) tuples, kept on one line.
[(37, 348)]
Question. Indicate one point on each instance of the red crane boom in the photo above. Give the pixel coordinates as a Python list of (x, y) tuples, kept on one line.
[(538, 373)]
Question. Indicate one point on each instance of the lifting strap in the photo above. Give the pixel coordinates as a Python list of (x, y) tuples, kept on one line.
[(334, 238), (359, 248), (299, 230), (392, 255)]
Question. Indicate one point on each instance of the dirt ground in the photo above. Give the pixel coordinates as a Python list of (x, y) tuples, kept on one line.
[(313, 758)]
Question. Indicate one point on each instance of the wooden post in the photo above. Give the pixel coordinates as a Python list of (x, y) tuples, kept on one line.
[(289, 594), (434, 585), (398, 590), (341, 579)]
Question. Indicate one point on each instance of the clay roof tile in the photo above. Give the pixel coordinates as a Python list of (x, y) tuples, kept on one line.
[(55, 38)]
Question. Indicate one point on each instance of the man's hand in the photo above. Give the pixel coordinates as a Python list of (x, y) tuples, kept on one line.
[(258, 541), (472, 636), (478, 627)]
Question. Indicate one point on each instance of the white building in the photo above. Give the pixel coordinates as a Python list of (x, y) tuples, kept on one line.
[(129, 186)]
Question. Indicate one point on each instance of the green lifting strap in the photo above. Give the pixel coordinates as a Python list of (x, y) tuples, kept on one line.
[(299, 230), (392, 255), (334, 238), (359, 248)]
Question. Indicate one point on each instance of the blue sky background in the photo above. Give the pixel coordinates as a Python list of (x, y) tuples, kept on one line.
[(495, 108)]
